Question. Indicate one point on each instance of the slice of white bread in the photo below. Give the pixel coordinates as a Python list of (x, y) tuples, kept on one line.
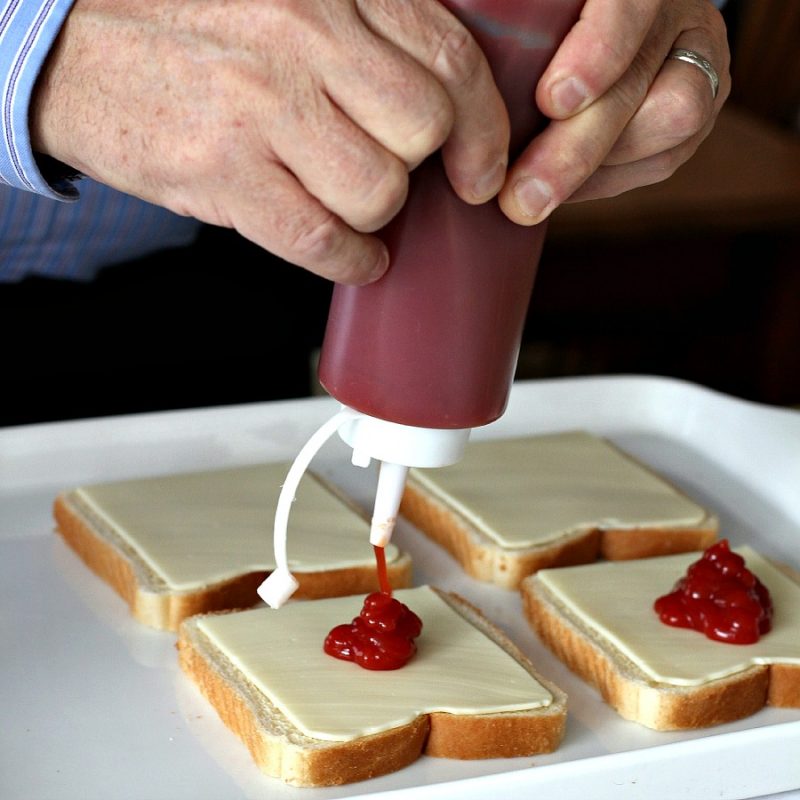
[(599, 620), (189, 543), (455, 636), (513, 506)]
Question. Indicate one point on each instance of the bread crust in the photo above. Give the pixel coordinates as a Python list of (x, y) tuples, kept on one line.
[(485, 560), (283, 752), (292, 758), (634, 695), (154, 604)]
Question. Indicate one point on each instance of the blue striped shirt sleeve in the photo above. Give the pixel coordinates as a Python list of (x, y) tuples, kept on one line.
[(38, 234), (28, 29)]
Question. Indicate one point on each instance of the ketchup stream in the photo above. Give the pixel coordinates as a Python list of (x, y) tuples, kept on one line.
[(383, 575)]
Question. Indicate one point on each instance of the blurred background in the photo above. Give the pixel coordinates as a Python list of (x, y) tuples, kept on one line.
[(696, 278)]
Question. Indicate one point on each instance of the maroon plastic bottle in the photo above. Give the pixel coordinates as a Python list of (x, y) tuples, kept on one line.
[(434, 343)]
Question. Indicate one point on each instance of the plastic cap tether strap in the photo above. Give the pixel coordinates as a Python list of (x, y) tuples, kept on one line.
[(281, 584)]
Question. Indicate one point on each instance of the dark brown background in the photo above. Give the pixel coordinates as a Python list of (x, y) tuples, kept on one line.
[(696, 278)]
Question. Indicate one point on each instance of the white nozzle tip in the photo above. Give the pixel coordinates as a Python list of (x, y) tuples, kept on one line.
[(278, 588), (381, 531), (388, 496)]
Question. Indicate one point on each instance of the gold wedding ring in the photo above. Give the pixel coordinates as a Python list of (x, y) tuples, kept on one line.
[(691, 57)]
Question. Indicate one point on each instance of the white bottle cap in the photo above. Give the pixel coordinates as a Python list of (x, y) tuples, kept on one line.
[(402, 444), (396, 446)]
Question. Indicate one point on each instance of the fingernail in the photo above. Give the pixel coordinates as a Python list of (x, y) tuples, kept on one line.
[(380, 267), (534, 197), (490, 183), (568, 95)]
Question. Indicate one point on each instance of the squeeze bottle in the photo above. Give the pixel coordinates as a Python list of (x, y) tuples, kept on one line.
[(428, 352)]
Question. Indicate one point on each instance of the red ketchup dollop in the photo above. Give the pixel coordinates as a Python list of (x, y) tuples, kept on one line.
[(380, 637), (719, 597)]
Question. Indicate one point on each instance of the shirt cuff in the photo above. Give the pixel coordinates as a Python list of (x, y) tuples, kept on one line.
[(28, 29)]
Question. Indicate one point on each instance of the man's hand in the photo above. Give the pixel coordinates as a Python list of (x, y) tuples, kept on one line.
[(296, 123), (623, 116)]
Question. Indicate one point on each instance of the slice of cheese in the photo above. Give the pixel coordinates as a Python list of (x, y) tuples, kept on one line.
[(614, 600), (194, 529), (526, 491), (337, 700)]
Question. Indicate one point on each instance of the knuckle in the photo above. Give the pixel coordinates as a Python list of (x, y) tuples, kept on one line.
[(689, 114), (311, 238), (346, 270), (578, 166), (380, 199), (664, 165), (602, 50), (633, 88), (686, 112), (432, 130), (713, 31), (457, 60), (368, 192), (711, 20)]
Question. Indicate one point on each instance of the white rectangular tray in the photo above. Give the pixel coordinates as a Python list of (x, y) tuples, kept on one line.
[(93, 705)]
